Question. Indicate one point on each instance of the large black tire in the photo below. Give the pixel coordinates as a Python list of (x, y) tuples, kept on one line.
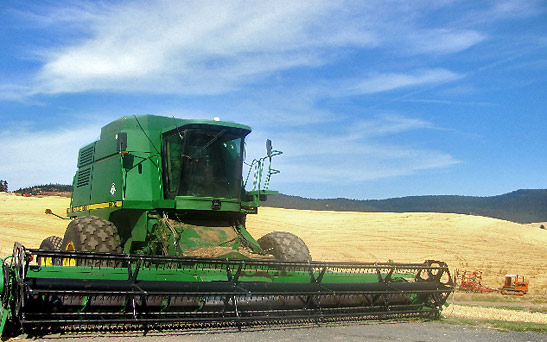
[(285, 246), (50, 243), (91, 234)]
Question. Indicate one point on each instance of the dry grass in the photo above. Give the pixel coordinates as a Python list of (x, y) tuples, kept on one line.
[(493, 246), (23, 219), (474, 312)]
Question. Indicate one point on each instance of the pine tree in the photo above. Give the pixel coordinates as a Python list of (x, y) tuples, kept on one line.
[(1, 186), (6, 186)]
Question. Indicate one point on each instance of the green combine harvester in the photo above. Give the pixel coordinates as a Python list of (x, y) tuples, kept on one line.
[(157, 240)]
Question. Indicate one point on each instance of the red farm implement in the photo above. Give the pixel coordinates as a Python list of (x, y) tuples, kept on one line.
[(471, 281)]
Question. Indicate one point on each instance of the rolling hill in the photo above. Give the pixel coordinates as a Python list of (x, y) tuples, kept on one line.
[(521, 206)]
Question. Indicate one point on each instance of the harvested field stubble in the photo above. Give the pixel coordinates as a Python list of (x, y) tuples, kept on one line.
[(473, 312), (493, 246), (22, 219)]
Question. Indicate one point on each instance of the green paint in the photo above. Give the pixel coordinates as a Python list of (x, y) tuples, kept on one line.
[(4, 315), (85, 300), (153, 166), (202, 273)]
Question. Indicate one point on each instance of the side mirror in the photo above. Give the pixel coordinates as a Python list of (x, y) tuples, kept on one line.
[(269, 147)]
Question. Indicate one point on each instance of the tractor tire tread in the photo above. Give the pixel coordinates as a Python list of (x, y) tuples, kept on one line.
[(93, 234), (285, 246), (52, 243)]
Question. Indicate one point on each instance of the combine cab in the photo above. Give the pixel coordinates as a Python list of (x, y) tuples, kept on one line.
[(158, 240)]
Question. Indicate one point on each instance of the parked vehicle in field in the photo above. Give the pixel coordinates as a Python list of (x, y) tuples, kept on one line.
[(158, 240), (514, 285)]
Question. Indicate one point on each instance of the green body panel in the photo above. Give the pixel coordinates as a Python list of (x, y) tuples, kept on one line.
[(121, 178), (4, 315), (202, 273), (81, 186), (107, 180), (204, 203)]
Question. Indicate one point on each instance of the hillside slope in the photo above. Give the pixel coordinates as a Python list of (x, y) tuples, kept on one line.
[(522, 206)]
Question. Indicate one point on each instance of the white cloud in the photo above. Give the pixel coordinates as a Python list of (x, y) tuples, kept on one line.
[(354, 163), (14, 92), (517, 8), (355, 154), (197, 47), (388, 124), (380, 82), (31, 157), (443, 41)]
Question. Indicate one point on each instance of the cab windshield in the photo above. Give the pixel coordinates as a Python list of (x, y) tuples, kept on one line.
[(203, 161)]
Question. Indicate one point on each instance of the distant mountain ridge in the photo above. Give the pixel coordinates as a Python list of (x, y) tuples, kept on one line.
[(521, 206)]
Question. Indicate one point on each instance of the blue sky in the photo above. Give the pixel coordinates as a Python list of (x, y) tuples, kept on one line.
[(367, 99)]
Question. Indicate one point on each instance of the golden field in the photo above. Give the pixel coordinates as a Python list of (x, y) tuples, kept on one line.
[(495, 247)]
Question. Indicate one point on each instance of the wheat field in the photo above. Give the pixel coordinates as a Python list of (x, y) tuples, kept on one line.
[(465, 242)]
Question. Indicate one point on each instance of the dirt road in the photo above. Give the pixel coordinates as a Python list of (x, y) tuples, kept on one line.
[(370, 331)]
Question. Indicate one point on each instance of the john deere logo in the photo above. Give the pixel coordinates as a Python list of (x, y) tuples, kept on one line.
[(113, 189)]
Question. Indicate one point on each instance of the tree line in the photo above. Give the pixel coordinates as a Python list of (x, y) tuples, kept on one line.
[(3, 186), (37, 189)]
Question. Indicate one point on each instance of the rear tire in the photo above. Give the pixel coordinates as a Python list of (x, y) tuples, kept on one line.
[(285, 246), (51, 243), (91, 234)]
